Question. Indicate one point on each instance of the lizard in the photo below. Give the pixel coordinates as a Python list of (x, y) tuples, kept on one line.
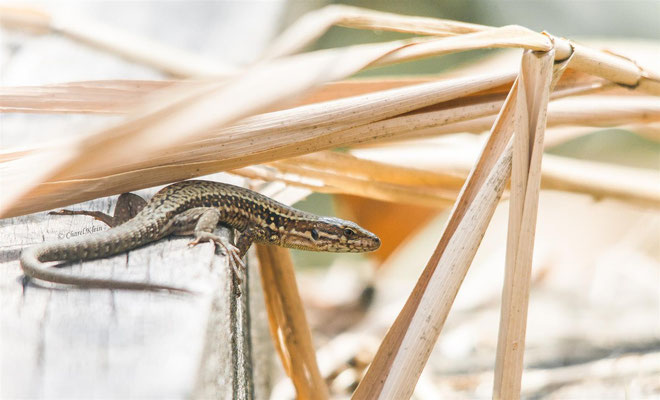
[(193, 207)]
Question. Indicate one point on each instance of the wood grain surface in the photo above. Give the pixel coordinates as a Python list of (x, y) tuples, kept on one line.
[(59, 342)]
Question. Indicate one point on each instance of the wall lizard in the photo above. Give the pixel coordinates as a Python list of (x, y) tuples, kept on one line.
[(194, 207)]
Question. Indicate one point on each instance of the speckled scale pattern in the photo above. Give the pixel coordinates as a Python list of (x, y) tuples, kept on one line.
[(239, 207)]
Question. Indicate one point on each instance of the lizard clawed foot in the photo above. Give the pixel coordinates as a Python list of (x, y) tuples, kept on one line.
[(237, 265)]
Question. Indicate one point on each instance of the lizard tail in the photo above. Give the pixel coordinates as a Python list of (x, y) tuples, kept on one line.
[(32, 262)]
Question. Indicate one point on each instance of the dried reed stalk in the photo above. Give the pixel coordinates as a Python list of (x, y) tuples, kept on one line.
[(407, 345), (385, 129), (258, 139), (330, 172), (98, 97), (596, 179), (178, 164), (604, 64), (287, 322), (314, 24), (329, 182), (159, 126), (533, 95), (121, 96), (184, 115), (347, 164), (579, 111)]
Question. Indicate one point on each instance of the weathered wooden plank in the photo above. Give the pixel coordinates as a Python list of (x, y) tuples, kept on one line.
[(76, 343), (66, 343)]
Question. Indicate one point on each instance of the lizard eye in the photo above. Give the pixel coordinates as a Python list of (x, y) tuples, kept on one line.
[(348, 232), (315, 234)]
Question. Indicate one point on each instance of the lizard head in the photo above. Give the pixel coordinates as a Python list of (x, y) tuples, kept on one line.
[(332, 235)]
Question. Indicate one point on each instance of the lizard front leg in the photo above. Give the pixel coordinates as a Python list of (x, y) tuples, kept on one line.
[(206, 220)]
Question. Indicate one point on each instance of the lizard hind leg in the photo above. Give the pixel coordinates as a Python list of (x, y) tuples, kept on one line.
[(128, 205)]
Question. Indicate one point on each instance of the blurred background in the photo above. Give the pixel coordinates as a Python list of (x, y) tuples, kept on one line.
[(594, 318)]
